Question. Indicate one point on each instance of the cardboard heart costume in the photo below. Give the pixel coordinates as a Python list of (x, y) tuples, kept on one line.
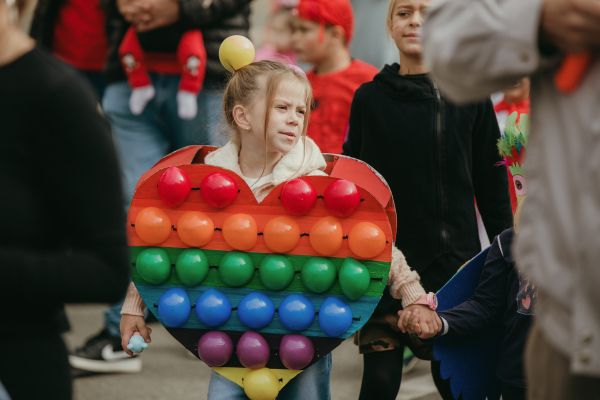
[(260, 291)]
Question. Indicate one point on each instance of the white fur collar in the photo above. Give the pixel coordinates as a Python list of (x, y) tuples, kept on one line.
[(304, 159)]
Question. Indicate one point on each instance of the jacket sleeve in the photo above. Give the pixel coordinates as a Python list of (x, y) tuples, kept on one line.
[(200, 13), (486, 306), (78, 175), (489, 178), (476, 47), (352, 145)]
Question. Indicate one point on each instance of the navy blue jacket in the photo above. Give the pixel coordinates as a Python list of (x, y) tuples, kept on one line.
[(503, 300)]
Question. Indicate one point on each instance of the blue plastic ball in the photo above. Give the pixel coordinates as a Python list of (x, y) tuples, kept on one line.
[(335, 317), (213, 308), (296, 312), (256, 310), (174, 307)]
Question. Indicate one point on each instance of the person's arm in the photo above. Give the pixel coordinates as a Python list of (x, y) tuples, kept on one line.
[(200, 13), (477, 47), (486, 306), (489, 177), (353, 141), (79, 178)]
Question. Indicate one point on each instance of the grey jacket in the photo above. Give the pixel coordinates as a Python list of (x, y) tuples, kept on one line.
[(475, 47)]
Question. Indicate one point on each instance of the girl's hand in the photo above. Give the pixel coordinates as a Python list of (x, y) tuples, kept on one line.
[(420, 320), (131, 324)]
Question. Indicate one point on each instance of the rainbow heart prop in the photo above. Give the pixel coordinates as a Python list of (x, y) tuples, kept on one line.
[(260, 291)]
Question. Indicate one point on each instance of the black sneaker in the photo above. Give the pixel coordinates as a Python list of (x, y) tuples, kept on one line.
[(103, 354)]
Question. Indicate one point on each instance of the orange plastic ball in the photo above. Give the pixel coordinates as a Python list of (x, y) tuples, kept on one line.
[(195, 229), (153, 225), (239, 231), (281, 234), (326, 236), (366, 240)]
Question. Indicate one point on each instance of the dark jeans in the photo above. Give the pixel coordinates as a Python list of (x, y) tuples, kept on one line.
[(35, 367)]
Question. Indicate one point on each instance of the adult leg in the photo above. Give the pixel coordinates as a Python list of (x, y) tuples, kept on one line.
[(382, 374), (35, 367), (548, 372), (312, 383), (181, 132)]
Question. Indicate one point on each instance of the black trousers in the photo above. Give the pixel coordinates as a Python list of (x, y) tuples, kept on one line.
[(35, 367)]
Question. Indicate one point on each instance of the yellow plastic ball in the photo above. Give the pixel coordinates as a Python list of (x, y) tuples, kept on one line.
[(235, 52), (261, 384)]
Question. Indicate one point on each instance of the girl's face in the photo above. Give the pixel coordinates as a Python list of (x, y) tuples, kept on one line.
[(286, 119), (405, 25)]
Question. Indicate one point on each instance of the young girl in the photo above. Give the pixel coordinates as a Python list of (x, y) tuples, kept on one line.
[(267, 106), (437, 157)]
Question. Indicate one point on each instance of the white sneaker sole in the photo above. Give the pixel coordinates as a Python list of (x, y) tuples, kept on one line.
[(126, 365)]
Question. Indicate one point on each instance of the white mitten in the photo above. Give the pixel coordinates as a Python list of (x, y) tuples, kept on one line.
[(140, 97), (187, 105)]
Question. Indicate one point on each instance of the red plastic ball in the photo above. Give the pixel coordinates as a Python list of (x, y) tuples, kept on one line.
[(341, 198), (174, 186), (218, 189), (298, 197)]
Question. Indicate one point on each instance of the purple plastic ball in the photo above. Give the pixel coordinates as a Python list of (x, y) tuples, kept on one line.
[(253, 350), (296, 351), (215, 348)]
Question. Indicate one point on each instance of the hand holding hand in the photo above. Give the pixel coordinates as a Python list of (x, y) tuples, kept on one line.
[(131, 324), (420, 320)]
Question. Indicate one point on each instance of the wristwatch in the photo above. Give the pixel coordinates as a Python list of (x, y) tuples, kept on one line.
[(429, 299)]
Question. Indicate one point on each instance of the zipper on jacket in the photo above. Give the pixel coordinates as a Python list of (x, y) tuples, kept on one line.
[(440, 144)]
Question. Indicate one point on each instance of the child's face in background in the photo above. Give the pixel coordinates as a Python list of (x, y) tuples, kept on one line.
[(286, 119), (405, 25), (280, 31), (308, 43)]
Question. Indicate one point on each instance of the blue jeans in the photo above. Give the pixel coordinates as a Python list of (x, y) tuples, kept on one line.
[(142, 140), (313, 383)]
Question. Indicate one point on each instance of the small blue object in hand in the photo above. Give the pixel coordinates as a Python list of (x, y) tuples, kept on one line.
[(137, 344)]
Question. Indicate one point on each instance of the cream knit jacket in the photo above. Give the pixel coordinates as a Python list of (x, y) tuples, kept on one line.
[(404, 283)]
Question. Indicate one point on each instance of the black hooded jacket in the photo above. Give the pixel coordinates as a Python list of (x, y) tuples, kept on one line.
[(437, 158)]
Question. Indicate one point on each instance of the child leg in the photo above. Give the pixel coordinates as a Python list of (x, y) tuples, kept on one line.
[(191, 56), (132, 55), (382, 374)]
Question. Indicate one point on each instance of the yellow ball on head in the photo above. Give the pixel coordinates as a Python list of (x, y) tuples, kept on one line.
[(236, 52)]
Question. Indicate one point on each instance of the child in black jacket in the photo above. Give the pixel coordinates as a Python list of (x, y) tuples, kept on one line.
[(437, 158)]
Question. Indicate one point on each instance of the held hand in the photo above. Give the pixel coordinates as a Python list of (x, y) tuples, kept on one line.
[(159, 13), (420, 320), (133, 11), (571, 25), (131, 324)]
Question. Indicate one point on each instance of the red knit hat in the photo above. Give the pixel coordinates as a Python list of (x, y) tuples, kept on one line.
[(332, 12)]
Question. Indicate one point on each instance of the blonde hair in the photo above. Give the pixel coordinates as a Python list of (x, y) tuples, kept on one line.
[(390, 16), (244, 85)]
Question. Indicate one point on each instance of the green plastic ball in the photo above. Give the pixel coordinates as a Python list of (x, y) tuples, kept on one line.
[(354, 279), (236, 269), (191, 267), (276, 272), (153, 265), (318, 274)]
